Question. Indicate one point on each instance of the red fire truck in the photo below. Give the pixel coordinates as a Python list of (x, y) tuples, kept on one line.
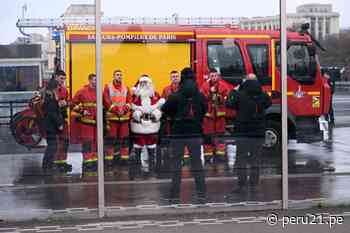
[(234, 53)]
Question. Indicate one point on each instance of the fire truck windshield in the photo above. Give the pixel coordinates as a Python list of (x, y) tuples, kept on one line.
[(301, 66), (227, 60)]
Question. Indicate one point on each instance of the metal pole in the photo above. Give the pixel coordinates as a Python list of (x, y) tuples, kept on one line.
[(283, 28), (101, 191)]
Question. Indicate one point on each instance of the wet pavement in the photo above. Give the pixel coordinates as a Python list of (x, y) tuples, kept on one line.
[(318, 170)]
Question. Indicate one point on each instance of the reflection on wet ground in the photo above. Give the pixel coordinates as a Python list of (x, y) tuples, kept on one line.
[(329, 156)]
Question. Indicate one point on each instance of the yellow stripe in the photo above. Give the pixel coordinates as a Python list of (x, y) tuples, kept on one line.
[(89, 104), (110, 157), (219, 114), (115, 118), (208, 154), (90, 160), (59, 161), (87, 121), (237, 36), (316, 93), (220, 152), (313, 93), (273, 58)]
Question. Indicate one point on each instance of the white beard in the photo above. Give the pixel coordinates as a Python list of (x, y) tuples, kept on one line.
[(145, 93)]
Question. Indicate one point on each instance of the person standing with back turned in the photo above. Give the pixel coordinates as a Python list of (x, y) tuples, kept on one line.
[(53, 122), (187, 108), (250, 102)]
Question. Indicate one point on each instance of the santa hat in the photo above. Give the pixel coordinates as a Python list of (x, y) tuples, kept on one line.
[(145, 78)]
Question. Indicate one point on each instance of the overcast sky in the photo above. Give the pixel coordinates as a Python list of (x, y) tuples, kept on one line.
[(10, 10)]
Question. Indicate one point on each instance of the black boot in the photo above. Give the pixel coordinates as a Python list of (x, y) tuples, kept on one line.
[(135, 163), (152, 153)]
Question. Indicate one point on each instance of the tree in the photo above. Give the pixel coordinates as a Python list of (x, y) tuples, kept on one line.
[(338, 52)]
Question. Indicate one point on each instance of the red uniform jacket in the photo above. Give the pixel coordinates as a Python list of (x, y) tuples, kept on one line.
[(117, 107), (216, 95)]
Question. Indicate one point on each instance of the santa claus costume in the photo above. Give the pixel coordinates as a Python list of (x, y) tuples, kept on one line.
[(145, 124)]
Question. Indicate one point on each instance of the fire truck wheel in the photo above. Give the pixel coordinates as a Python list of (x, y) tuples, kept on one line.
[(272, 135), (27, 131)]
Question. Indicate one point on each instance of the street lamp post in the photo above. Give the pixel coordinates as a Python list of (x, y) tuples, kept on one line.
[(101, 193), (284, 104)]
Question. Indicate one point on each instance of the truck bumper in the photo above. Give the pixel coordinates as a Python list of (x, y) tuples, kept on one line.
[(308, 130)]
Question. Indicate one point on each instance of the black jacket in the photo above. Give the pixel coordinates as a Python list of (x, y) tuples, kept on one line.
[(186, 108), (250, 102), (53, 114)]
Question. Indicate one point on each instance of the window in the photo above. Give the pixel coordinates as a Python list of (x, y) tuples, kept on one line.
[(300, 64), (19, 78), (227, 59), (259, 57)]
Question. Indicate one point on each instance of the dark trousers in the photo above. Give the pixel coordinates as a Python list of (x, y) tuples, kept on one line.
[(248, 160), (330, 116), (194, 146), (50, 151)]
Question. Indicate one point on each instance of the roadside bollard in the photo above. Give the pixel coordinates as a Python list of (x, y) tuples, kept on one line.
[(324, 127), (231, 155)]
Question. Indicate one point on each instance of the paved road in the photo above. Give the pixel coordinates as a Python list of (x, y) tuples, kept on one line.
[(289, 222)]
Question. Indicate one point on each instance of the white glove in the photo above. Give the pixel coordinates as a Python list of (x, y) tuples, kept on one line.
[(161, 102), (86, 113), (137, 115), (156, 114)]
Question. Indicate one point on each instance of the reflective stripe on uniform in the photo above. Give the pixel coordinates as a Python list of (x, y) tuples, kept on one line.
[(109, 157), (118, 97), (219, 114), (90, 160), (116, 118), (88, 104), (59, 161), (87, 121)]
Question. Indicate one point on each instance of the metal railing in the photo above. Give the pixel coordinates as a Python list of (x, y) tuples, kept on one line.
[(86, 21), (9, 108)]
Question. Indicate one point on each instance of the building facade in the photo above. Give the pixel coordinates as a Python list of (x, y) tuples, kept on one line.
[(321, 17)]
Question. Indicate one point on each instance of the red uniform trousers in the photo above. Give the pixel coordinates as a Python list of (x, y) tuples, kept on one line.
[(88, 138), (117, 130), (213, 127), (62, 145)]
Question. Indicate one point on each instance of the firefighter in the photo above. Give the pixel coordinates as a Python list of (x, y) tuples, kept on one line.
[(60, 158), (116, 101), (168, 90), (84, 109), (250, 101), (145, 126), (216, 91)]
